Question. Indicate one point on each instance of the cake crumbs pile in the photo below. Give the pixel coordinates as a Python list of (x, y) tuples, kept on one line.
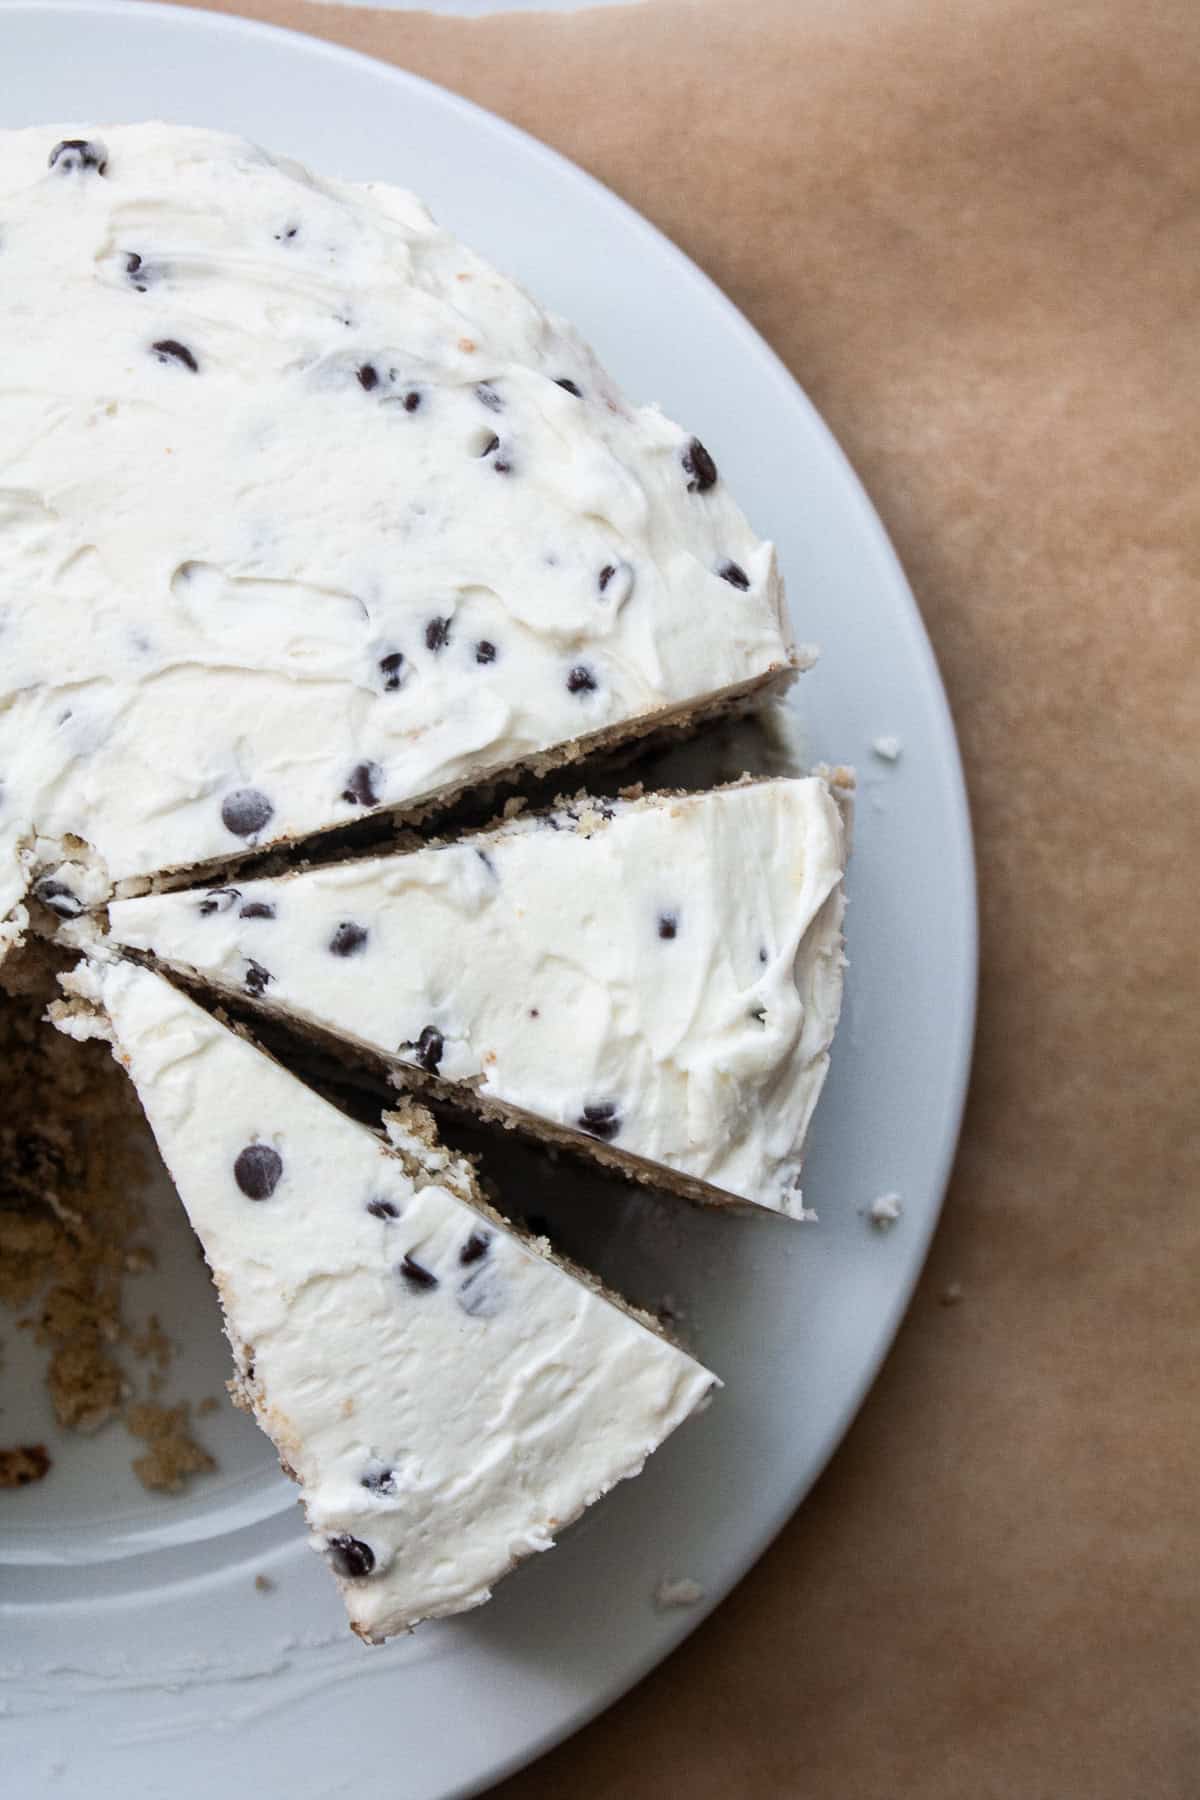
[(71, 1215)]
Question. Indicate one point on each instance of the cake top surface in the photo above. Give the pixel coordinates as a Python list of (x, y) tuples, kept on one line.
[(662, 975), (447, 1397), (304, 510)]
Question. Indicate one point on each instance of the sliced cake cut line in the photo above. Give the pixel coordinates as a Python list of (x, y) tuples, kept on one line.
[(448, 1396), (555, 974)]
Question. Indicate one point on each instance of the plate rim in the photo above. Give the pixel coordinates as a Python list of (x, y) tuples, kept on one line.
[(949, 760)]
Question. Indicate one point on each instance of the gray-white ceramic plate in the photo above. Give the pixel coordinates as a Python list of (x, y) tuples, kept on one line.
[(138, 1654)]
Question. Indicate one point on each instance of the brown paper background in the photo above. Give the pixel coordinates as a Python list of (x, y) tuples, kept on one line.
[(972, 229)]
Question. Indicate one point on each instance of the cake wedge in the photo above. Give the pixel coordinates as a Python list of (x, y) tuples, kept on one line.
[(307, 512), (655, 980), (447, 1397)]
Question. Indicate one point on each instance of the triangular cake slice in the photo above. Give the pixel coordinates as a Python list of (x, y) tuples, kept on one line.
[(655, 979), (306, 511), (447, 1398)]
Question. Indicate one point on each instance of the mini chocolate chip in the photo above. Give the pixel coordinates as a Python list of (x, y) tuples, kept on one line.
[(477, 1245), (762, 953), (368, 377), (430, 1046), (489, 397), (437, 634), (348, 939), (383, 1209), (257, 909), (534, 1013), (580, 680), (362, 788), (218, 900), (377, 1478), (138, 275), (256, 980), (349, 1557), (493, 443), (59, 898), (502, 466), (668, 924), (257, 1171), (416, 1275), (170, 350), (699, 467), (412, 400), (488, 864), (390, 667), (245, 811), (759, 1014), (734, 574), (601, 1119), (563, 381), (606, 575), (75, 154), (286, 236), (480, 1295), (485, 651)]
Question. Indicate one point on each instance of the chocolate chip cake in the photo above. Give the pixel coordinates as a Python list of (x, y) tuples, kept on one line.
[(306, 512), (656, 980), (469, 1397)]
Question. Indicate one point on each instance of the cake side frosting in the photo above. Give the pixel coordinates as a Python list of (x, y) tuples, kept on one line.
[(660, 976), (305, 510), (447, 1399)]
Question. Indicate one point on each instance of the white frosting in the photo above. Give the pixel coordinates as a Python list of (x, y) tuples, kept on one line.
[(674, 968), (262, 566), (485, 1396)]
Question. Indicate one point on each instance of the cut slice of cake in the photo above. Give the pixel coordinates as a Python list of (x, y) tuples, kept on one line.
[(655, 979), (447, 1398), (305, 511)]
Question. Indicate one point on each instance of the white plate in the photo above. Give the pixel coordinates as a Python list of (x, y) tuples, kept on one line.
[(139, 1657)]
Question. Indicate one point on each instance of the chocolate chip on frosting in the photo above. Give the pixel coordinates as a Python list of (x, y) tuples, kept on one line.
[(170, 350), (218, 900), (600, 1119), (256, 980), (430, 1046), (485, 651), (368, 376), (391, 667), (245, 811), (488, 397), (362, 785), (412, 400), (564, 381), (378, 1478), (349, 1557), (138, 273), (476, 1246), (699, 467), (734, 574), (668, 924), (257, 1171), (348, 939), (383, 1209), (580, 680), (416, 1276), (437, 634), (74, 155), (257, 909), (58, 897)]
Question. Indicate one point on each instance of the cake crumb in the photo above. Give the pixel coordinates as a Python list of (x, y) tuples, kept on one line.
[(885, 1210), (264, 1584), (677, 1591), (173, 1453), (887, 748), (23, 1464), (951, 1294)]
